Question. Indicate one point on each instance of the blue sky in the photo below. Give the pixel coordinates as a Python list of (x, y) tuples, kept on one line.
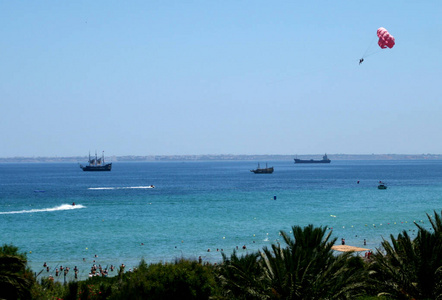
[(219, 77)]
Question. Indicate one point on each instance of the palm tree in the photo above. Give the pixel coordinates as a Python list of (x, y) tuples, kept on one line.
[(409, 268), (15, 278), (242, 277), (308, 268)]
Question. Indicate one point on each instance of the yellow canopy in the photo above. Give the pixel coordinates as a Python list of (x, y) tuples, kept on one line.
[(346, 248)]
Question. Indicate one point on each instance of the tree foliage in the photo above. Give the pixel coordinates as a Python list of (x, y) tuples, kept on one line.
[(307, 268), (408, 268), (15, 278), (242, 277)]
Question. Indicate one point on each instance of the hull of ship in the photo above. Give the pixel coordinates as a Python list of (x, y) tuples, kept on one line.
[(106, 167), (301, 161), (263, 171)]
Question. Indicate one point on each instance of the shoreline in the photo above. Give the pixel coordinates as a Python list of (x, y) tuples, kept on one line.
[(213, 257)]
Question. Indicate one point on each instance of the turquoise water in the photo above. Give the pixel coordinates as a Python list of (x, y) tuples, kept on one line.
[(196, 206)]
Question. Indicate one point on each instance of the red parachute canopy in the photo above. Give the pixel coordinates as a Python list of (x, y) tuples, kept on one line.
[(385, 38)]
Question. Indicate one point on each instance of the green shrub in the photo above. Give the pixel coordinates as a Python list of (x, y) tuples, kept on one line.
[(183, 279)]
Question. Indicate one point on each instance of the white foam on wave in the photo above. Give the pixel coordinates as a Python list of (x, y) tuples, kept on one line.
[(122, 188), (57, 208)]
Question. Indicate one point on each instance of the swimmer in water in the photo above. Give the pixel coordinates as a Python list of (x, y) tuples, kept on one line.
[(73, 203)]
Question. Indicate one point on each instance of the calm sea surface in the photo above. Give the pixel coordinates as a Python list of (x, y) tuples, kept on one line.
[(196, 206)]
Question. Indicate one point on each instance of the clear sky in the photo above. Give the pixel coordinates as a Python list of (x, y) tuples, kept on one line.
[(219, 77)]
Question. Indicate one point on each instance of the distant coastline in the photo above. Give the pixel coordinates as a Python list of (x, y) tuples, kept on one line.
[(224, 157)]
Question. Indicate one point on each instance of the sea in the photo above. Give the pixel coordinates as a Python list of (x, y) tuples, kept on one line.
[(163, 211)]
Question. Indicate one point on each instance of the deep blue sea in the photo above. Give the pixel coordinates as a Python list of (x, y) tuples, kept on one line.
[(197, 206)]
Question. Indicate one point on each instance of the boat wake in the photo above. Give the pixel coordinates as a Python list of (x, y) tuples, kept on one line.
[(122, 188), (57, 208)]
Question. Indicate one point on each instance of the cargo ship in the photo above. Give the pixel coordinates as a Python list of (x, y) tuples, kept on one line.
[(97, 164), (265, 170), (324, 160)]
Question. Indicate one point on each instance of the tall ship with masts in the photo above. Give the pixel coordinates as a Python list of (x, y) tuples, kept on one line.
[(97, 164), (266, 170)]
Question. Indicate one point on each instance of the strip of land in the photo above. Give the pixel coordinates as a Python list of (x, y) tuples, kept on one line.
[(223, 157)]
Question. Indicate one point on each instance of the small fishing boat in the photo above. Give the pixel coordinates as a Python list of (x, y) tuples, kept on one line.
[(382, 186)]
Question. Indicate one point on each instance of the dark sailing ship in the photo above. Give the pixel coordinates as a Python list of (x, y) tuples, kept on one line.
[(97, 164), (324, 160), (265, 170)]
